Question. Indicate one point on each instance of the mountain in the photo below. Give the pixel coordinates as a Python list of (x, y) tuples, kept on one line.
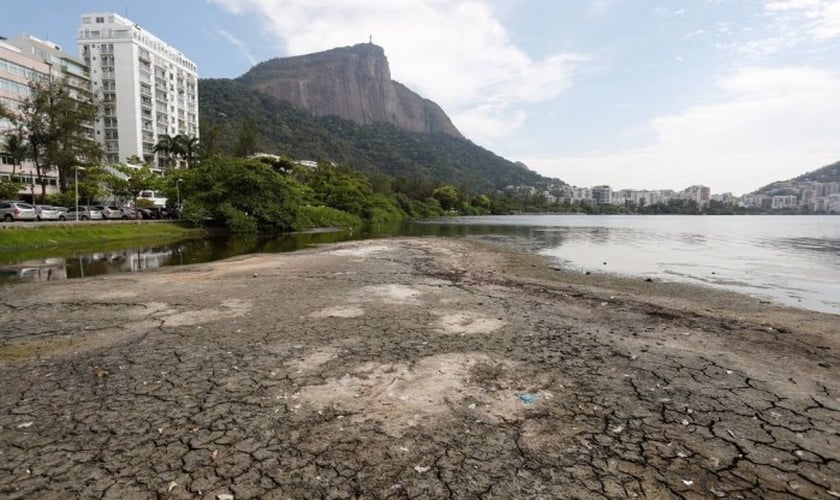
[(353, 83), (828, 173), (229, 107)]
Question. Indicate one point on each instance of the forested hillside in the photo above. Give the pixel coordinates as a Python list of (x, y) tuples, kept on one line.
[(238, 120), (828, 173)]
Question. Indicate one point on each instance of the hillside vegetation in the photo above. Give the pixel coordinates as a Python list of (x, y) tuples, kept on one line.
[(239, 120), (828, 173)]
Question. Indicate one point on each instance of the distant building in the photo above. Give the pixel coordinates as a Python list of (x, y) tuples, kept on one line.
[(698, 194), (602, 195), (784, 202), (808, 201), (833, 204), (148, 88)]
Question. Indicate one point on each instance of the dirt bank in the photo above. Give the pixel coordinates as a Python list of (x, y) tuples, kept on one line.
[(411, 368)]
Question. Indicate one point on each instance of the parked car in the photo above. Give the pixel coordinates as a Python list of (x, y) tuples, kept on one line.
[(46, 212), (16, 210), (109, 212), (84, 213), (129, 213), (62, 212)]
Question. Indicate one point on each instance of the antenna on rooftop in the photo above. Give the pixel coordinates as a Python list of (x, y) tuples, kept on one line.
[(370, 40)]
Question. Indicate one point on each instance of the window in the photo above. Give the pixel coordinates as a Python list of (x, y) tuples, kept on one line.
[(100, 20)]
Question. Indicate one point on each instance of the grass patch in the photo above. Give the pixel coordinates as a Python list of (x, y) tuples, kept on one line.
[(16, 240)]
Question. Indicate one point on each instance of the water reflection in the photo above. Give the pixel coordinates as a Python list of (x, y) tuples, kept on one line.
[(789, 259), (154, 256), (52, 269)]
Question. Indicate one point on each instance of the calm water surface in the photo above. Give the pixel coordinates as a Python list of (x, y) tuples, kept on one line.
[(793, 260)]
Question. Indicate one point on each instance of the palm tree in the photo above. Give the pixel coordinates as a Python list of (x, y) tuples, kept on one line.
[(166, 148), (16, 148), (189, 148)]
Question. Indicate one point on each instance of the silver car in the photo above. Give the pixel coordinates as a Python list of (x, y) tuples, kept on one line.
[(46, 212), (16, 210), (85, 213), (109, 212)]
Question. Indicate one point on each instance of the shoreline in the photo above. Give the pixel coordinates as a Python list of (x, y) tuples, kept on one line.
[(411, 366)]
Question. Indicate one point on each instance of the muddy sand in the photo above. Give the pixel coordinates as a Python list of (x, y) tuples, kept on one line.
[(399, 368)]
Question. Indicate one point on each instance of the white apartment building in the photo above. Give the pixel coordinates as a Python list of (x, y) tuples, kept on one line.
[(147, 88)]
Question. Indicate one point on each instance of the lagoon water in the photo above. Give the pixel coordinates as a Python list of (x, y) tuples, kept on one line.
[(793, 260)]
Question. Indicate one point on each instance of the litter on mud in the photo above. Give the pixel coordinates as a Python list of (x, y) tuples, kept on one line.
[(528, 399)]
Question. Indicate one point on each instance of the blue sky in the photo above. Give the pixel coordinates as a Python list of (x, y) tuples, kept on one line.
[(633, 93)]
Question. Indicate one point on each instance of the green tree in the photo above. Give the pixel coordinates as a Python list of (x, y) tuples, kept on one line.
[(245, 195), (246, 141), (15, 147), (133, 180), (447, 196), (189, 147), (167, 148), (54, 125), (9, 188), (210, 140), (93, 184)]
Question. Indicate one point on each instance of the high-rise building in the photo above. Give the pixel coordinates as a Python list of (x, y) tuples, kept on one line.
[(147, 88), (25, 59), (602, 195)]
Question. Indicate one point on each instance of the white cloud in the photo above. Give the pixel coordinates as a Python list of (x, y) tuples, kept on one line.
[(774, 124), (456, 53), (239, 44), (791, 24)]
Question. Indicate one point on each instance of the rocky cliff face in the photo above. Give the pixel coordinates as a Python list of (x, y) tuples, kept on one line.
[(353, 83)]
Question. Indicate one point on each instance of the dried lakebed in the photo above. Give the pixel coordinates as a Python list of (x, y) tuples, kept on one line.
[(411, 368)]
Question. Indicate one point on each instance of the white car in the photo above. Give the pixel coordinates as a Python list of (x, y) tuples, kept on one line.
[(46, 212), (16, 210)]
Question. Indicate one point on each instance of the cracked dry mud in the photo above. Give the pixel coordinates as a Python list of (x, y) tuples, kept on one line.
[(411, 368)]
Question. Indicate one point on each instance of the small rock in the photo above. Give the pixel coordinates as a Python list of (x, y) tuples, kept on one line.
[(685, 422), (25, 425), (254, 275), (687, 482), (224, 496), (172, 486), (421, 469)]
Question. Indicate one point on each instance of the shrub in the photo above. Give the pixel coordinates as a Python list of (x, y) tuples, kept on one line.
[(310, 217)]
